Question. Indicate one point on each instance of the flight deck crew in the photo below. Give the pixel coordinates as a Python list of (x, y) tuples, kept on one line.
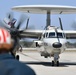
[(9, 65)]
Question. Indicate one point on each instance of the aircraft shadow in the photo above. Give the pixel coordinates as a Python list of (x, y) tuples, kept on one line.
[(67, 64), (62, 64)]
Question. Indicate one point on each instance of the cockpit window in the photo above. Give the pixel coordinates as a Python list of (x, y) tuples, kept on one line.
[(59, 35), (45, 35), (51, 34), (55, 35)]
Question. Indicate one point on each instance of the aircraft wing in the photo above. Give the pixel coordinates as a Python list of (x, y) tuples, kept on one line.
[(70, 34), (43, 9), (32, 33)]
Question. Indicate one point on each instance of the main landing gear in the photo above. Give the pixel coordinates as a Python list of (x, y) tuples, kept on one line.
[(55, 62), (14, 55), (17, 57), (14, 52)]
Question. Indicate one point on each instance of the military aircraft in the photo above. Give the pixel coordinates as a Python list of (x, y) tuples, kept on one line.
[(51, 41)]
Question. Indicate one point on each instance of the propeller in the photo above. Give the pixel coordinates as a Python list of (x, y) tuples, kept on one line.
[(15, 30), (60, 23), (12, 21)]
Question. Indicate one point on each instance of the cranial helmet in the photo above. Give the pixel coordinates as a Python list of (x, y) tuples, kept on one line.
[(5, 39)]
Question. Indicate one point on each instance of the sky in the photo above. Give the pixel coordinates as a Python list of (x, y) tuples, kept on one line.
[(39, 20)]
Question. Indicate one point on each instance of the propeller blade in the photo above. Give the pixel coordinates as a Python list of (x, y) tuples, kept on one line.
[(3, 25), (27, 23), (10, 20), (21, 21), (27, 26), (10, 15), (60, 23)]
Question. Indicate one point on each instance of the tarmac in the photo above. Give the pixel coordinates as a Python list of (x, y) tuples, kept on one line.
[(42, 66)]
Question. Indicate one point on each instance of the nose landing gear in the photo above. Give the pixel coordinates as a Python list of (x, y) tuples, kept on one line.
[(55, 62)]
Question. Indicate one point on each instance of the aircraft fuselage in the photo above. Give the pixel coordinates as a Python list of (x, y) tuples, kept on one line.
[(52, 42)]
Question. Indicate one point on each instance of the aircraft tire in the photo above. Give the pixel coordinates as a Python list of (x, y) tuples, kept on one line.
[(45, 56), (17, 57), (52, 63), (57, 63)]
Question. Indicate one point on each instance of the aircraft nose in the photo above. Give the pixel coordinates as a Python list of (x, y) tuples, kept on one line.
[(57, 45)]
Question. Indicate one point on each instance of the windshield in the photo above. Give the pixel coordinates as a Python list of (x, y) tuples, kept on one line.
[(59, 35), (51, 34), (55, 35)]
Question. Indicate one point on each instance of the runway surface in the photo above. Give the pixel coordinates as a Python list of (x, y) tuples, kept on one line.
[(42, 66)]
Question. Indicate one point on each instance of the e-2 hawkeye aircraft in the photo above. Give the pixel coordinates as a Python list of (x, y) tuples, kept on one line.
[(51, 41)]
